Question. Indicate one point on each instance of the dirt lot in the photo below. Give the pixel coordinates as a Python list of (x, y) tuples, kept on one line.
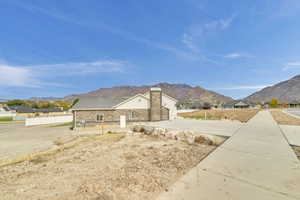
[(242, 115), (297, 151), (104, 168), (285, 119), (17, 140)]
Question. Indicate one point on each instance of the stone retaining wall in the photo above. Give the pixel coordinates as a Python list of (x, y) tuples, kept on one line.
[(190, 137)]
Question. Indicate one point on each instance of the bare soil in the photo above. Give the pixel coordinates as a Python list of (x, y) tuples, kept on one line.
[(121, 168), (242, 115), (285, 119), (297, 151)]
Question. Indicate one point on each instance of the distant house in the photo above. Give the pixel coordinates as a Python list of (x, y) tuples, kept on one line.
[(151, 106), (6, 112), (294, 104), (238, 104), (27, 111)]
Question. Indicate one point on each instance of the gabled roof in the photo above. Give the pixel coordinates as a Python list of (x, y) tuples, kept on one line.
[(237, 103), (106, 103), (92, 102), (129, 99), (241, 104)]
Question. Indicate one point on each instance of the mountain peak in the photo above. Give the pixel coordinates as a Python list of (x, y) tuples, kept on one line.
[(172, 85)]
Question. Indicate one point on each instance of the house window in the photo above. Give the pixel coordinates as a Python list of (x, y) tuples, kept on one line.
[(100, 118), (132, 115)]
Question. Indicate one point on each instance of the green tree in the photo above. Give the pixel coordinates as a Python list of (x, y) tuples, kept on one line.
[(74, 102), (16, 102), (274, 103)]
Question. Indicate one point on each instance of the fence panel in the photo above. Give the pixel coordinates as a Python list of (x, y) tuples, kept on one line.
[(48, 120)]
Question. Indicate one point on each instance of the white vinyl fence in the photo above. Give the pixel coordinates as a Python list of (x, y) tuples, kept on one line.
[(187, 110), (7, 114), (48, 120)]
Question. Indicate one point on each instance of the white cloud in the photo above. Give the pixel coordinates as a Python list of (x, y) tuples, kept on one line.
[(32, 76), (244, 87), (291, 65), (238, 55), (16, 76), (188, 41), (82, 68), (233, 55), (226, 23), (198, 33)]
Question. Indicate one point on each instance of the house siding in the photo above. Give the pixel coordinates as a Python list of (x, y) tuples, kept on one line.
[(110, 116), (165, 113)]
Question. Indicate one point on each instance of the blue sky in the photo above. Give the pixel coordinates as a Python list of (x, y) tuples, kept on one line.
[(60, 47)]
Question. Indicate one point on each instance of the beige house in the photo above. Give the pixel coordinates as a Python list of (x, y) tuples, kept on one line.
[(151, 106)]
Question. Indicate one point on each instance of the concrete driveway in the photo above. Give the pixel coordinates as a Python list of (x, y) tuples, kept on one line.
[(212, 127), (17, 140)]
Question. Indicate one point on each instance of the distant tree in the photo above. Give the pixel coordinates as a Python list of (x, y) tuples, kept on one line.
[(63, 104), (206, 106), (35, 105), (16, 102), (47, 105), (274, 103), (74, 102)]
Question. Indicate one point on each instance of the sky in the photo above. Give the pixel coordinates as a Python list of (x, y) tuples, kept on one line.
[(61, 47)]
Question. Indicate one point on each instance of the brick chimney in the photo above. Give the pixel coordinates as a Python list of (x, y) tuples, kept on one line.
[(155, 104)]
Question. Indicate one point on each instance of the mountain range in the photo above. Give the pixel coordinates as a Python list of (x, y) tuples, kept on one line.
[(181, 92), (285, 91)]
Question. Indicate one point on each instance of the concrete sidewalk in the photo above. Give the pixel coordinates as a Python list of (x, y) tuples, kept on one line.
[(292, 133), (255, 163)]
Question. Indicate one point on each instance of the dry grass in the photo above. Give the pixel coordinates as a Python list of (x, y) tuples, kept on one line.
[(63, 145), (285, 119), (242, 115)]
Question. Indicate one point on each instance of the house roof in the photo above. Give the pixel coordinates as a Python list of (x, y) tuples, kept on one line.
[(6, 108), (26, 109), (129, 99), (237, 103), (241, 104), (294, 102), (92, 102)]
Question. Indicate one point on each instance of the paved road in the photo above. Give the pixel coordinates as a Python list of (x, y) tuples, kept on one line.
[(212, 127), (17, 140), (255, 163)]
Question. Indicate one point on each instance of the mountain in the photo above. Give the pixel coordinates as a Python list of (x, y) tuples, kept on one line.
[(181, 92), (285, 91)]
